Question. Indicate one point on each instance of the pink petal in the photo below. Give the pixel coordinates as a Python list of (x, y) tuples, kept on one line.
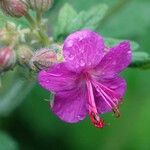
[(83, 50), (57, 78), (117, 59), (70, 106), (117, 86)]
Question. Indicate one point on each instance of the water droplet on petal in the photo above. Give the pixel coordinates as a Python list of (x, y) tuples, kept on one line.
[(89, 63), (114, 63), (103, 73), (77, 65), (70, 43), (47, 81), (82, 63), (129, 52), (79, 117), (98, 53), (80, 38), (81, 50), (71, 57)]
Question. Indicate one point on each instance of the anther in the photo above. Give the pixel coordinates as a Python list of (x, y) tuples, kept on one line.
[(96, 120), (116, 112)]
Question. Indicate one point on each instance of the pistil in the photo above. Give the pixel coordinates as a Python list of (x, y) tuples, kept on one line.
[(93, 113)]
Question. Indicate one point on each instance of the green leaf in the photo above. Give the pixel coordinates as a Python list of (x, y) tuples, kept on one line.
[(140, 56), (110, 42), (66, 16), (140, 60), (92, 17), (128, 22), (88, 19), (69, 20), (13, 95), (7, 143)]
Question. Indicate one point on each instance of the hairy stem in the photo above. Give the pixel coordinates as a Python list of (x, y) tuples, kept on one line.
[(44, 36), (37, 24), (30, 20)]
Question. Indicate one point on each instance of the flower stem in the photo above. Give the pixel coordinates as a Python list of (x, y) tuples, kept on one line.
[(44, 36), (30, 20), (37, 24), (38, 16)]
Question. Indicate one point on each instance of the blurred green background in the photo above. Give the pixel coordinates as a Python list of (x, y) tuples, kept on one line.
[(32, 126)]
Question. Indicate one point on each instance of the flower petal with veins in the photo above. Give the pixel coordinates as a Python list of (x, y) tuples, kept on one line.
[(83, 50), (57, 78), (70, 106), (117, 59)]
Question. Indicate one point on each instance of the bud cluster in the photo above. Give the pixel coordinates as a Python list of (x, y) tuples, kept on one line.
[(13, 38)]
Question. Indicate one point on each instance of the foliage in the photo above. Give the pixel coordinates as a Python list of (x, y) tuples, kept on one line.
[(7, 143), (76, 21)]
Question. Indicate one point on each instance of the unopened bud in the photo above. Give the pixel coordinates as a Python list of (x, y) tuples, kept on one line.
[(40, 5), (14, 8), (7, 58), (43, 59), (24, 54)]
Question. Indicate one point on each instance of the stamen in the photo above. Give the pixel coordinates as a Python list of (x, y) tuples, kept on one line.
[(96, 120), (116, 112), (104, 97), (93, 113), (114, 106), (109, 100), (111, 91)]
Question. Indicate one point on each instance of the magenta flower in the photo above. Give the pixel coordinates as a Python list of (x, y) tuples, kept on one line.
[(87, 82)]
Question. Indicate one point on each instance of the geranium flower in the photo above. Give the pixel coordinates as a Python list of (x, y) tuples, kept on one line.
[(87, 82)]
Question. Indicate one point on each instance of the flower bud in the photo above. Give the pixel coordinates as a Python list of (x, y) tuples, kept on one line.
[(24, 54), (40, 5), (43, 59), (14, 8), (7, 58)]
